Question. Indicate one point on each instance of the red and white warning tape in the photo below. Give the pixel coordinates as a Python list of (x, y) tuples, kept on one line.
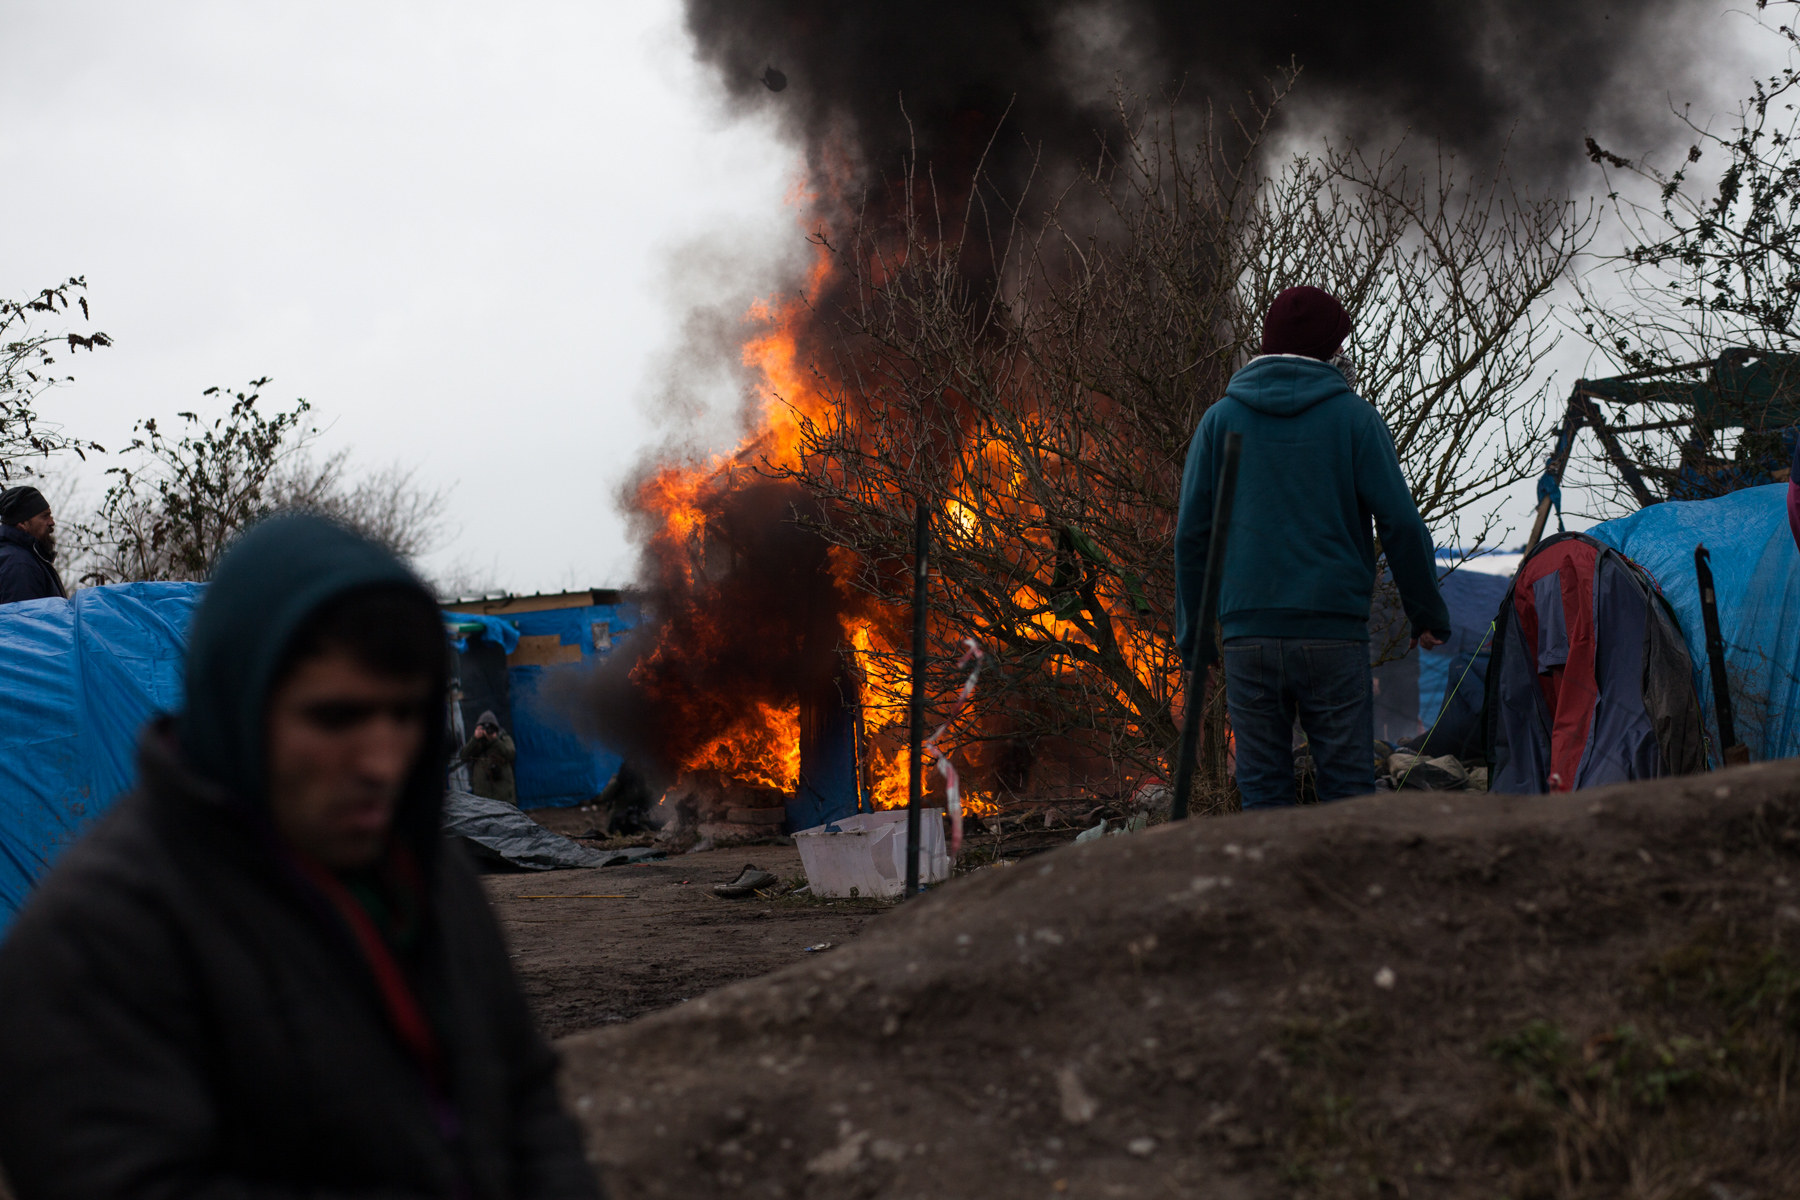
[(953, 785)]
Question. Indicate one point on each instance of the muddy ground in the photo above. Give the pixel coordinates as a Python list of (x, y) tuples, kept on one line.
[(609, 945), (1437, 995)]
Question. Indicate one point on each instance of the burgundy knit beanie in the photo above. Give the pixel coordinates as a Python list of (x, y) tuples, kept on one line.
[(1305, 320)]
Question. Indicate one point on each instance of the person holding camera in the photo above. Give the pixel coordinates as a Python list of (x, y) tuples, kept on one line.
[(490, 753)]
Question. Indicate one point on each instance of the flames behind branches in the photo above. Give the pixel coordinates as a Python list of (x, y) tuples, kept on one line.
[(1049, 414)]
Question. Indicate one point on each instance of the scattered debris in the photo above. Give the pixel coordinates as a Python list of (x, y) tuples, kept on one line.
[(751, 879), (816, 948), (1414, 772), (1153, 797)]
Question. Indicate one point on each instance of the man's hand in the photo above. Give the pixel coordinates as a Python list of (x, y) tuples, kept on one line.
[(1427, 640), (481, 731)]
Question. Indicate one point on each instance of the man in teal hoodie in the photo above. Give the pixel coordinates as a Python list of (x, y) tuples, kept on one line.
[(1318, 464)]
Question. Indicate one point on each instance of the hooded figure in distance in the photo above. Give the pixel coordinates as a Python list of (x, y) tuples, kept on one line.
[(1318, 466), (265, 974), (490, 753)]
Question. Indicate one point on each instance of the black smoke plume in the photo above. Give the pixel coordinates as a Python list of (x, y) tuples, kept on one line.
[(1535, 75)]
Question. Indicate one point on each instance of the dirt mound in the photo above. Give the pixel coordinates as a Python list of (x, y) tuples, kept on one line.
[(1432, 995)]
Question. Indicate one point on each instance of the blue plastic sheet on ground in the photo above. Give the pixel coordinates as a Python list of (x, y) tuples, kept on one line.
[(78, 679), (1756, 574)]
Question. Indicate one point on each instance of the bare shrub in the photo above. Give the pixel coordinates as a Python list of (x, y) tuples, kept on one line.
[(181, 500), (1036, 381)]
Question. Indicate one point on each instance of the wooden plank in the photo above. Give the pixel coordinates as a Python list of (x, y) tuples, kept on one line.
[(543, 650)]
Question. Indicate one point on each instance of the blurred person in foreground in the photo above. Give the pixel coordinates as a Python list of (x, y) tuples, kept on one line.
[(265, 973), (489, 753), (27, 547), (1318, 465)]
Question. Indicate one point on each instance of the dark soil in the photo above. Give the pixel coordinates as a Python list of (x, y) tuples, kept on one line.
[(590, 961), (1434, 995)]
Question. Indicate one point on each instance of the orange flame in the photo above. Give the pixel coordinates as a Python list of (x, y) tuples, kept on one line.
[(763, 750)]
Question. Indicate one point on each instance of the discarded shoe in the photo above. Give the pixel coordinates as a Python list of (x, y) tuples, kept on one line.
[(748, 881)]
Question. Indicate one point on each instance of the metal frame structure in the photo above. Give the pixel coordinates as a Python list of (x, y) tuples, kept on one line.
[(1744, 388)]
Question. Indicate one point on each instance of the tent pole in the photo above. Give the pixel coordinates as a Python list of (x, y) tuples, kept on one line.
[(1565, 445), (1731, 751)]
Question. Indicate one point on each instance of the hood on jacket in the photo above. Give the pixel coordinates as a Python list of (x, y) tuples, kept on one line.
[(1285, 385), (262, 591)]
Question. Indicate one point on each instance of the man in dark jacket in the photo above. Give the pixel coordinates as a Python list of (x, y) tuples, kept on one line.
[(1318, 463), (27, 547), (490, 753), (264, 973)]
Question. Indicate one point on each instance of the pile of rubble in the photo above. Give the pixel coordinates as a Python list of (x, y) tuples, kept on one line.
[(705, 810)]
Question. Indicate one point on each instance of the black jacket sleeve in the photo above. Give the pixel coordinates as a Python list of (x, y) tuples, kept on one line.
[(101, 1051), (548, 1160)]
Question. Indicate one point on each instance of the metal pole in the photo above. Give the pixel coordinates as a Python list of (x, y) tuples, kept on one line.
[(916, 769), (1209, 603), (1731, 752)]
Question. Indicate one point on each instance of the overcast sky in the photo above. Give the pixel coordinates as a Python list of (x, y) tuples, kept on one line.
[(449, 226), (467, 233)]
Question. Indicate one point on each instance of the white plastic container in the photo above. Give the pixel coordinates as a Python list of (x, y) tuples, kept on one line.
[(867, 852)]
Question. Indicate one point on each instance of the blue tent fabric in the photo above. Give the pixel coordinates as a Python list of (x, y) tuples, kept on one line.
[(78, 679), (557, 767), (1441, 687), (1590, 681), (502, 633), (1757, 576)]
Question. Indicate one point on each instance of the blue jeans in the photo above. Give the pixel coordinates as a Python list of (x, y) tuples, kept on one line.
[(1325, 683)]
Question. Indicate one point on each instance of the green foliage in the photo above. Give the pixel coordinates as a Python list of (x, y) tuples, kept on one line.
[(172, 514), (29, 368)]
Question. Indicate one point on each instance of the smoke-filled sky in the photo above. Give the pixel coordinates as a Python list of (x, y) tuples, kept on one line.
[(473, 235)]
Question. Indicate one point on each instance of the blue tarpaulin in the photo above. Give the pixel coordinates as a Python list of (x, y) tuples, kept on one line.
[(1439, 688), (503, 634), (1756, 574), (79, 678), (77, 681), (556, 766)]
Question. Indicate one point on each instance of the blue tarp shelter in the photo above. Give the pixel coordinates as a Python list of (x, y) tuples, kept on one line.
[(557, 767), (79, 678), (546, 639), (1757, 577), (1442, 686), (77, 681)]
